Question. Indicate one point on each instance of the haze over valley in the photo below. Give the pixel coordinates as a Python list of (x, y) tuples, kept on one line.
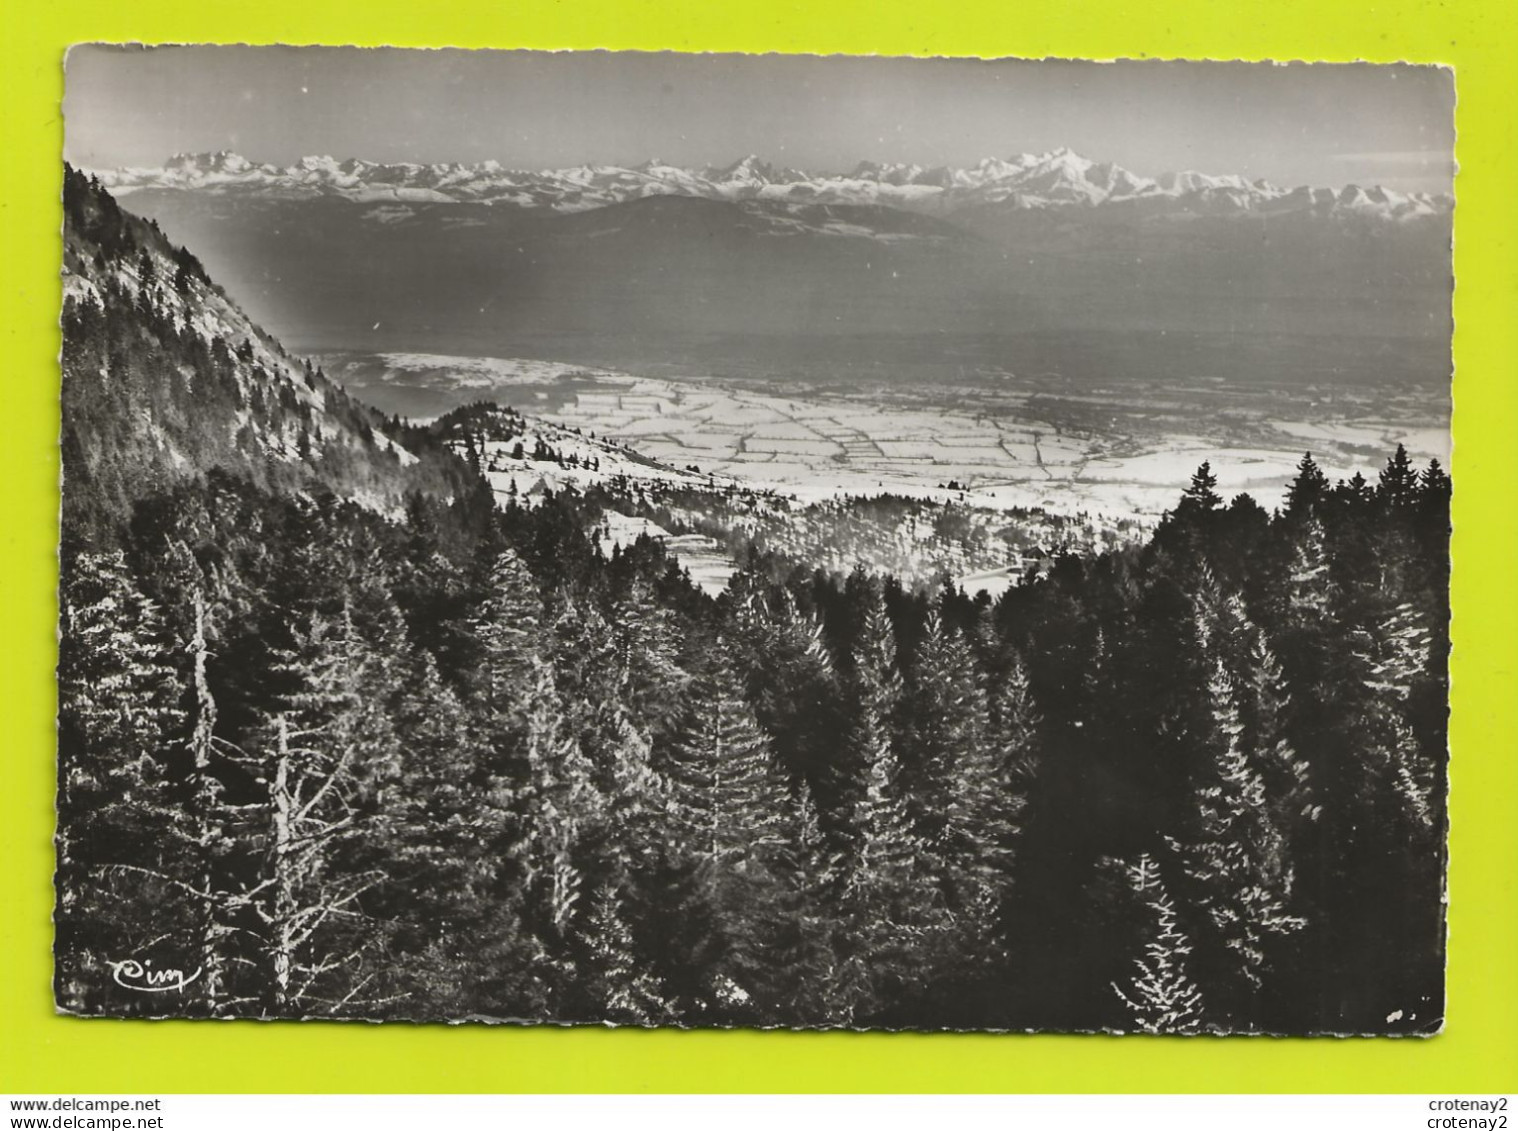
[(1043, 330)]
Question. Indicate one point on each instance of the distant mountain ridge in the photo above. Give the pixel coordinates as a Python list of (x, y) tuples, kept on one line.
[(1057, 179)]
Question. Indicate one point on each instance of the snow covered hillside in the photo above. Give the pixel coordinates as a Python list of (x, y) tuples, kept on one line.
[(709, 522), (166, 379)]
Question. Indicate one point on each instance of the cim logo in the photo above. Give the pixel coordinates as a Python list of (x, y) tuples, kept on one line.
[(131, 974)]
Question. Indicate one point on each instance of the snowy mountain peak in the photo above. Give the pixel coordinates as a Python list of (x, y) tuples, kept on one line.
[(1056, 178), (1064, 155), (752, 170), (886, 172), (223, 160)]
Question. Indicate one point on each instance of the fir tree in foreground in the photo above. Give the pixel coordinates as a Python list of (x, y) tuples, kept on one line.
[(1159, 996)]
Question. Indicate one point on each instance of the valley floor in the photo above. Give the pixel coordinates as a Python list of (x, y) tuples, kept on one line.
[(1003, 440)]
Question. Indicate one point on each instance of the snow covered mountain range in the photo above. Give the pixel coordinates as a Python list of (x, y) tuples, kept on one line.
[(1059, 178)]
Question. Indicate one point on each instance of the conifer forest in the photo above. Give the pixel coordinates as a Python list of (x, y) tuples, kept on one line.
[(343, 734)]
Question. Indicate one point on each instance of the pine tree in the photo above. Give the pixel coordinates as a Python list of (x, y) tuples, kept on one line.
[(125, 863), (1393, 654), (729, 826), (1387, 665), (894, 918), (207, 816), (1234, 855), (507, 626), (1309, 586), (893, 909), (810, 991), (726, 791), (584, 653), (1357, 490), (1229, 639), (1015, 754), (447, 844), (652, 683), (874, 691), (636, 795), (561, 811), (326, 761), (962, 794), (1434, 494), (1160, 996), (1202, 494), (1398, 486), (1265, 712), (789, 676), (118, 696), (1307, 489), (617, 984)]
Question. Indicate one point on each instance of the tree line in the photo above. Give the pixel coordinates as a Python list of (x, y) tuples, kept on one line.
[(465, 765)]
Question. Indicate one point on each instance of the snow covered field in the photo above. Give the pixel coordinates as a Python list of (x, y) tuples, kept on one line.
[(710, 565), (1101, 450)]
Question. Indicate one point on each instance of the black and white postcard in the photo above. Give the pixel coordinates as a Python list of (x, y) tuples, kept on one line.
[(786, 542)]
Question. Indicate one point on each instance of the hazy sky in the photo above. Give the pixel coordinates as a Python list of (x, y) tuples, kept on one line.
[(1324, 124)]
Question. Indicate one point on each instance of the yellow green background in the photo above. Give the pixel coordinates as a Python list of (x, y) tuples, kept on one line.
[(1477, 1052)]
